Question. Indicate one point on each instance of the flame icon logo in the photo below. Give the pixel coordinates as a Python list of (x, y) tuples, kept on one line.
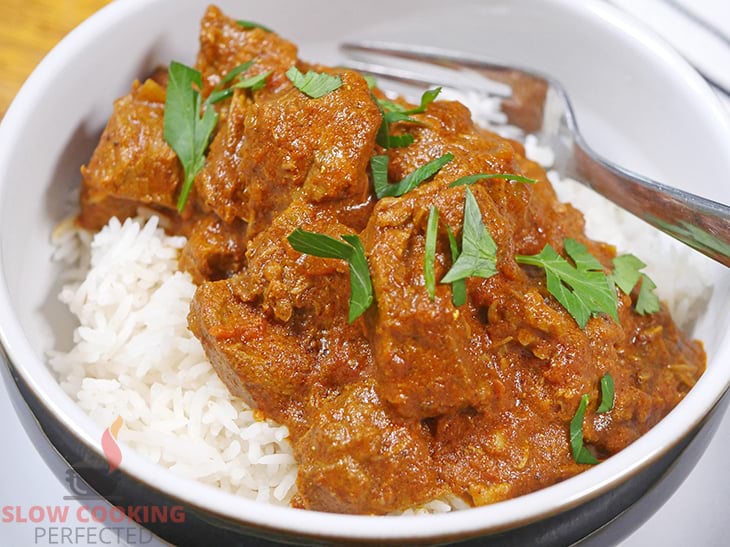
[(109, 444)]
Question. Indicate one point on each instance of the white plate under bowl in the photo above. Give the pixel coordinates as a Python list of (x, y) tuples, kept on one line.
[(636, 100)]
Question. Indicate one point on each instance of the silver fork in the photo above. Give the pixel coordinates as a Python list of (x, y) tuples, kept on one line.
[(537, 104)]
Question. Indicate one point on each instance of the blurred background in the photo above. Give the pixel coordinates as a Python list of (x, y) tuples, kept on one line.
[(699, 29)]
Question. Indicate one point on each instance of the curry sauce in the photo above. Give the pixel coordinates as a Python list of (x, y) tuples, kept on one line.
[(417, 398)]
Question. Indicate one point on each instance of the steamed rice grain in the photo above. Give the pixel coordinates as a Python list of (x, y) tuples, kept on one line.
[(134, 357)]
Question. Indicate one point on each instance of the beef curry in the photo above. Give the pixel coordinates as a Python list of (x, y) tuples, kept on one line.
[(419, 396)]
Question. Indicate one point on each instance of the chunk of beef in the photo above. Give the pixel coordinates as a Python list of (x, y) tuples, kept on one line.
[(215, 250), (224, 44), (490, 457), (290, 147), (424, 360), (257, 358), (359, 458), (132, 165), (277, 333)]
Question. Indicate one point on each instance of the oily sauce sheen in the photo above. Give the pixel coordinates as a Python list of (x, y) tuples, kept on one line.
[(416, 399)]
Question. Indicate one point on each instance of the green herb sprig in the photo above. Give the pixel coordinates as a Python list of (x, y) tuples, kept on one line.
[(429, 255), (392, 113), (607, 394), (580, 453), (626, 274), (185, 130), (352, 250), (313, 84), (248, 25), (254, 83), (583, 290), (471, 179), (379, 168), (371, 81), (478, 257), (458, 287)]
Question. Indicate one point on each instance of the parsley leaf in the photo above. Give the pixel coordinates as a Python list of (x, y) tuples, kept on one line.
[(580, 453), (478, 256), (384, 138), (584, 289), (370, 80), (361, 287), (395, 117), (324, 246), (313, 84), (392, 112), (251, 25), (400, 141), (647, 302), (379, 168), (233, 73), (320, 245), (185, 131), (458, 287), (427, 98), (390, 106), (429, 255), (607, 394), (471, 179), (254, 83), (626, 274)]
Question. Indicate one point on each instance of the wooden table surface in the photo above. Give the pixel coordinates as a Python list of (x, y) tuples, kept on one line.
[(28, 30)]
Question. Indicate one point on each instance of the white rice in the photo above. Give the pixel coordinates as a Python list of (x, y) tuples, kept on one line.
[(134, 357)]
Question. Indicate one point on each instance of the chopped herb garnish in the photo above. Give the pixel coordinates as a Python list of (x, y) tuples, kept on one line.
[(400, 141), (580, 453), (392, 112), (370, 80), (313, 84), (471, 179), (584, 289), (361, 287), (390, 107), (626, 274), (478, 256), (252, 25), (386, 140), (233, 73), (429, 255), (324, 246), (379, 168), (458, 287), (395, 117), (647, 302), (187, 133), (607, 394), (254, 83), (427, 98)]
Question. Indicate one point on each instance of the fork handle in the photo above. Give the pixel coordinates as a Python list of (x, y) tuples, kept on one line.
[(701, 223)]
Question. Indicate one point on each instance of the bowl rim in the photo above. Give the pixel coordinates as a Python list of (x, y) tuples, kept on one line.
[(489, 519)]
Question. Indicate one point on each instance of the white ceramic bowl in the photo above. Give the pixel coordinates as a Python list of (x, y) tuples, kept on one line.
[(637, 101)]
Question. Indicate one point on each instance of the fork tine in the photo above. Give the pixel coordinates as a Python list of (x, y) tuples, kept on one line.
[(449, 73)]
